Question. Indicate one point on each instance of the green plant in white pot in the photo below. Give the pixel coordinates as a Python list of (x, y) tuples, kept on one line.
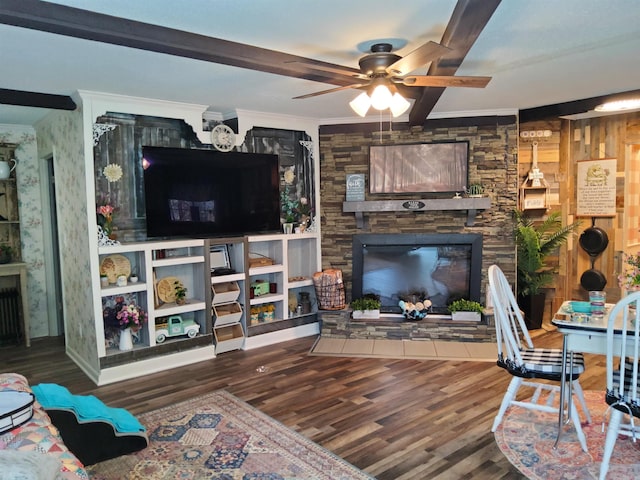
[(366, 307), (464, 310)]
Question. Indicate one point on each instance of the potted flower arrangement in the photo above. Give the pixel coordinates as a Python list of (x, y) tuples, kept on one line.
[(304, 209), (629, 278), (268, 312), (366, 307), (293, 210), (181, 292), (105, 219), (130, 318), (255, 315), (465, 310)]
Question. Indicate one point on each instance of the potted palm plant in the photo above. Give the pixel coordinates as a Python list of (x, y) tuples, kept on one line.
[(535, 241)]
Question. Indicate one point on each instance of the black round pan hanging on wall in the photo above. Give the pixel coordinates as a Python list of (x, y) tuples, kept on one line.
[(594, 241), (593, 279)]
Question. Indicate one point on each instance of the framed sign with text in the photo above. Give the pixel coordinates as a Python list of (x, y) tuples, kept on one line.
[(596, 188)]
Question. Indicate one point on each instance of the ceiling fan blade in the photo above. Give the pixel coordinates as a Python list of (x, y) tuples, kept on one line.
[(331, 90), (329, 67), (417, 58), (445, 81)]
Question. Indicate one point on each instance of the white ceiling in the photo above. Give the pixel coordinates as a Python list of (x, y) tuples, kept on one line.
[(538, 52)]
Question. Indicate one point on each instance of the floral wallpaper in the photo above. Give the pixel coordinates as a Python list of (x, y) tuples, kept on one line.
[(62, 134), (31, 233)]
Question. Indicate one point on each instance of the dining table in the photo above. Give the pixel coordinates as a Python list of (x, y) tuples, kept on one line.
[(584, 333)]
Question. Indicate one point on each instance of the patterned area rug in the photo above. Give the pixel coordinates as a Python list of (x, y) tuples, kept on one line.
[(526, 438), (219, 437)]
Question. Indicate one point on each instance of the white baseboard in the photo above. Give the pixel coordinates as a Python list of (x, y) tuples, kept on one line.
[(271, 338)]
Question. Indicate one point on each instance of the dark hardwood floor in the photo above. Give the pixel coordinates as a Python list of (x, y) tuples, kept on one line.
[(395, 419)]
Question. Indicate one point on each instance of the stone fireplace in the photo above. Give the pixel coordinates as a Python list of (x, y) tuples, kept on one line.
[(344, 150), (394, 267)]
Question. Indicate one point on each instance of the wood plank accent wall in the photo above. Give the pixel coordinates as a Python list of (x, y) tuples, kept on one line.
[(492, 162), (613, 136), (555, 174)]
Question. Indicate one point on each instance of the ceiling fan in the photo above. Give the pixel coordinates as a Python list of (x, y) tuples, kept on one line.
[(384, 75), (381, 67)]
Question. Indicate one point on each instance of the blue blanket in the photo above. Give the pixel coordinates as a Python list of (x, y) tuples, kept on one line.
[(86, 408)]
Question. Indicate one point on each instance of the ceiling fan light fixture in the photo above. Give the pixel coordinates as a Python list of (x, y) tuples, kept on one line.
[(398, 105), (381, 97), (361, 104), (619, 105)]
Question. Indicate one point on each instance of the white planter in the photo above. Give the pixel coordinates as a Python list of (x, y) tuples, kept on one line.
[(366, 314), (465, 317), (126, 340)]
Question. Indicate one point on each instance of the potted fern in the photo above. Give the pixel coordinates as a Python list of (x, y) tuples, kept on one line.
[(366, 307), (535, 241), (464, 310)]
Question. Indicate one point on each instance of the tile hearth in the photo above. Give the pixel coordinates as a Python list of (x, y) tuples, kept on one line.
[(406, 349)]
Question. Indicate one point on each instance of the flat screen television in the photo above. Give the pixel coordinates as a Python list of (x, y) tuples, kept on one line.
[(439, 267), (202, 193)]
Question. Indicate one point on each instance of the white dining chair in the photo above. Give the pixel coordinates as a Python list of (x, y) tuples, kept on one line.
[(622, 394), (518, 356)]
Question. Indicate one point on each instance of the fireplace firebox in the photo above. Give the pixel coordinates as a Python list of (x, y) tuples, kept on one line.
[(438, 267)]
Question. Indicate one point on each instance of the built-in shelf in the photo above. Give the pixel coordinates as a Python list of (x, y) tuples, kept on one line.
[(471, 205)]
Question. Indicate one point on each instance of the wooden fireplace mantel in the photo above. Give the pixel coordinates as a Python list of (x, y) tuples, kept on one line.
[(471, 205)]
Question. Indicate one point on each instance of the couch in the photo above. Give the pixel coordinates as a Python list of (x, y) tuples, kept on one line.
[(35, 449)]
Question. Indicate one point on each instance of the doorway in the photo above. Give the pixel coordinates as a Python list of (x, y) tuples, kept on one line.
[(55, 306)]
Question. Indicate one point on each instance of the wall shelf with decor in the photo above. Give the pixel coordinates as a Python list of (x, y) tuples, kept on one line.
[(295, 257), (147, 264), (179, 263), (9, 215), (534, 198), (292, 261), (471, 205)]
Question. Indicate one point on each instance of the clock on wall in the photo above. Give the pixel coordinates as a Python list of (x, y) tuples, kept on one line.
[(223, 138)]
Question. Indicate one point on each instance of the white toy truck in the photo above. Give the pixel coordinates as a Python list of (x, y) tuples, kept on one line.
[(176, 326)]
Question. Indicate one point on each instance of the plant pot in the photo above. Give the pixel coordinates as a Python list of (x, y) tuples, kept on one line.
[(366, 314), (465, 316), (181, 301), (126, 340), (533, 308), (287, 228)]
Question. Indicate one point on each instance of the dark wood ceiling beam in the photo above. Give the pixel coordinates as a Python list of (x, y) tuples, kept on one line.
[(78, 23), (574, 107), (467, 22), (33, 99)]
